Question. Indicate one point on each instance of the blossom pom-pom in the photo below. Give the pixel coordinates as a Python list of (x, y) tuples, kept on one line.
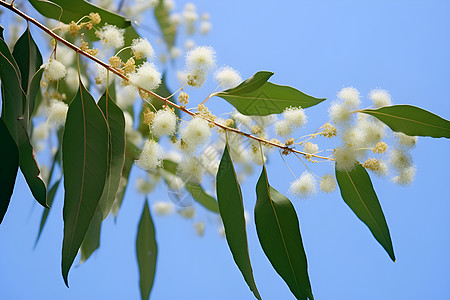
[(164, 123), (406, 140), (380, 97), (141, 48), (54, 70), (151, 155), (191, 169), (163, 208), (146, 77), (406, 176), (328, 183), (195, 133), (227, 77), (201, 57), (57, 113), (295, 116), (345, 158), (305, 186), (310, 148), (350, 96), (283, 128), (111, 36)]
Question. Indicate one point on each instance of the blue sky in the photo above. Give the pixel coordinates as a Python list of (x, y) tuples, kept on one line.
[(318, 47)]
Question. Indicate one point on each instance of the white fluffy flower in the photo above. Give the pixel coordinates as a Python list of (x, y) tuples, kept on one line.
[(126, 96), (169, 5), (111, 36), (181, 77), (141, 48), (242, 119), (54, 70), (163, 208), (200, 228), (175, 52), (406, 140), (144, 186), (65, 55), (195, 133), (304, 186), (205, 27), (187, 212), (201, 58), (189, 44), (406, 176), (164, 123), (345, 158), (102, 77), (339, 113), (175, 19), (191, 169), (295, 116), (400, 160), (227, 77), (328, 183), (310, 148), (151, 155), (283, 128), (350, 97), (41, 131), (190, 16), (146, 77), (380, 97), (57, 113), (257, 157)]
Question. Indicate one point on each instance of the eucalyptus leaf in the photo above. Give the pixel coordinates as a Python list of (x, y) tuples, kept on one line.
[(50, 197), (168, 29), (116, 122), (279, 234), (84, 155), (198, 193), (231, 207), (147, 252), (258, 97), (13, 104), (91, 240), (358, 193), (411, 120), (73, 10), (9, 156)]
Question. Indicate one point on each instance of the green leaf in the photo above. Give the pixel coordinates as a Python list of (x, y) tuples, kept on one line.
[(357, 191), (116, 121), (411, 120), (34, 90), (147, 252), (9, 156), (84, 155), (169, 171), (12, 113), (231, 207), (168, 29), (91, 240), (50, 197), (131, 154), (199, 194), (279, 234), (258, 97), (73, 10), (28, 57)]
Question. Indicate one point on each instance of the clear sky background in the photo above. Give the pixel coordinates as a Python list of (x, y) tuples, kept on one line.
[(318, 47)]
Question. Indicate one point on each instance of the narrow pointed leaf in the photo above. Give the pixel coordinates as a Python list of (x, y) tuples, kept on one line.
[(131, 154), (28, 57), (411, 120), (231, 207), (84, 155), (73, 10), (91, 240), (50, 197), (198, 193), (258, 97), (357, 191), (146, 251), (9, 156), (34, 90), (168, 28), (279, 234), (12, 113), (116, 121)]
